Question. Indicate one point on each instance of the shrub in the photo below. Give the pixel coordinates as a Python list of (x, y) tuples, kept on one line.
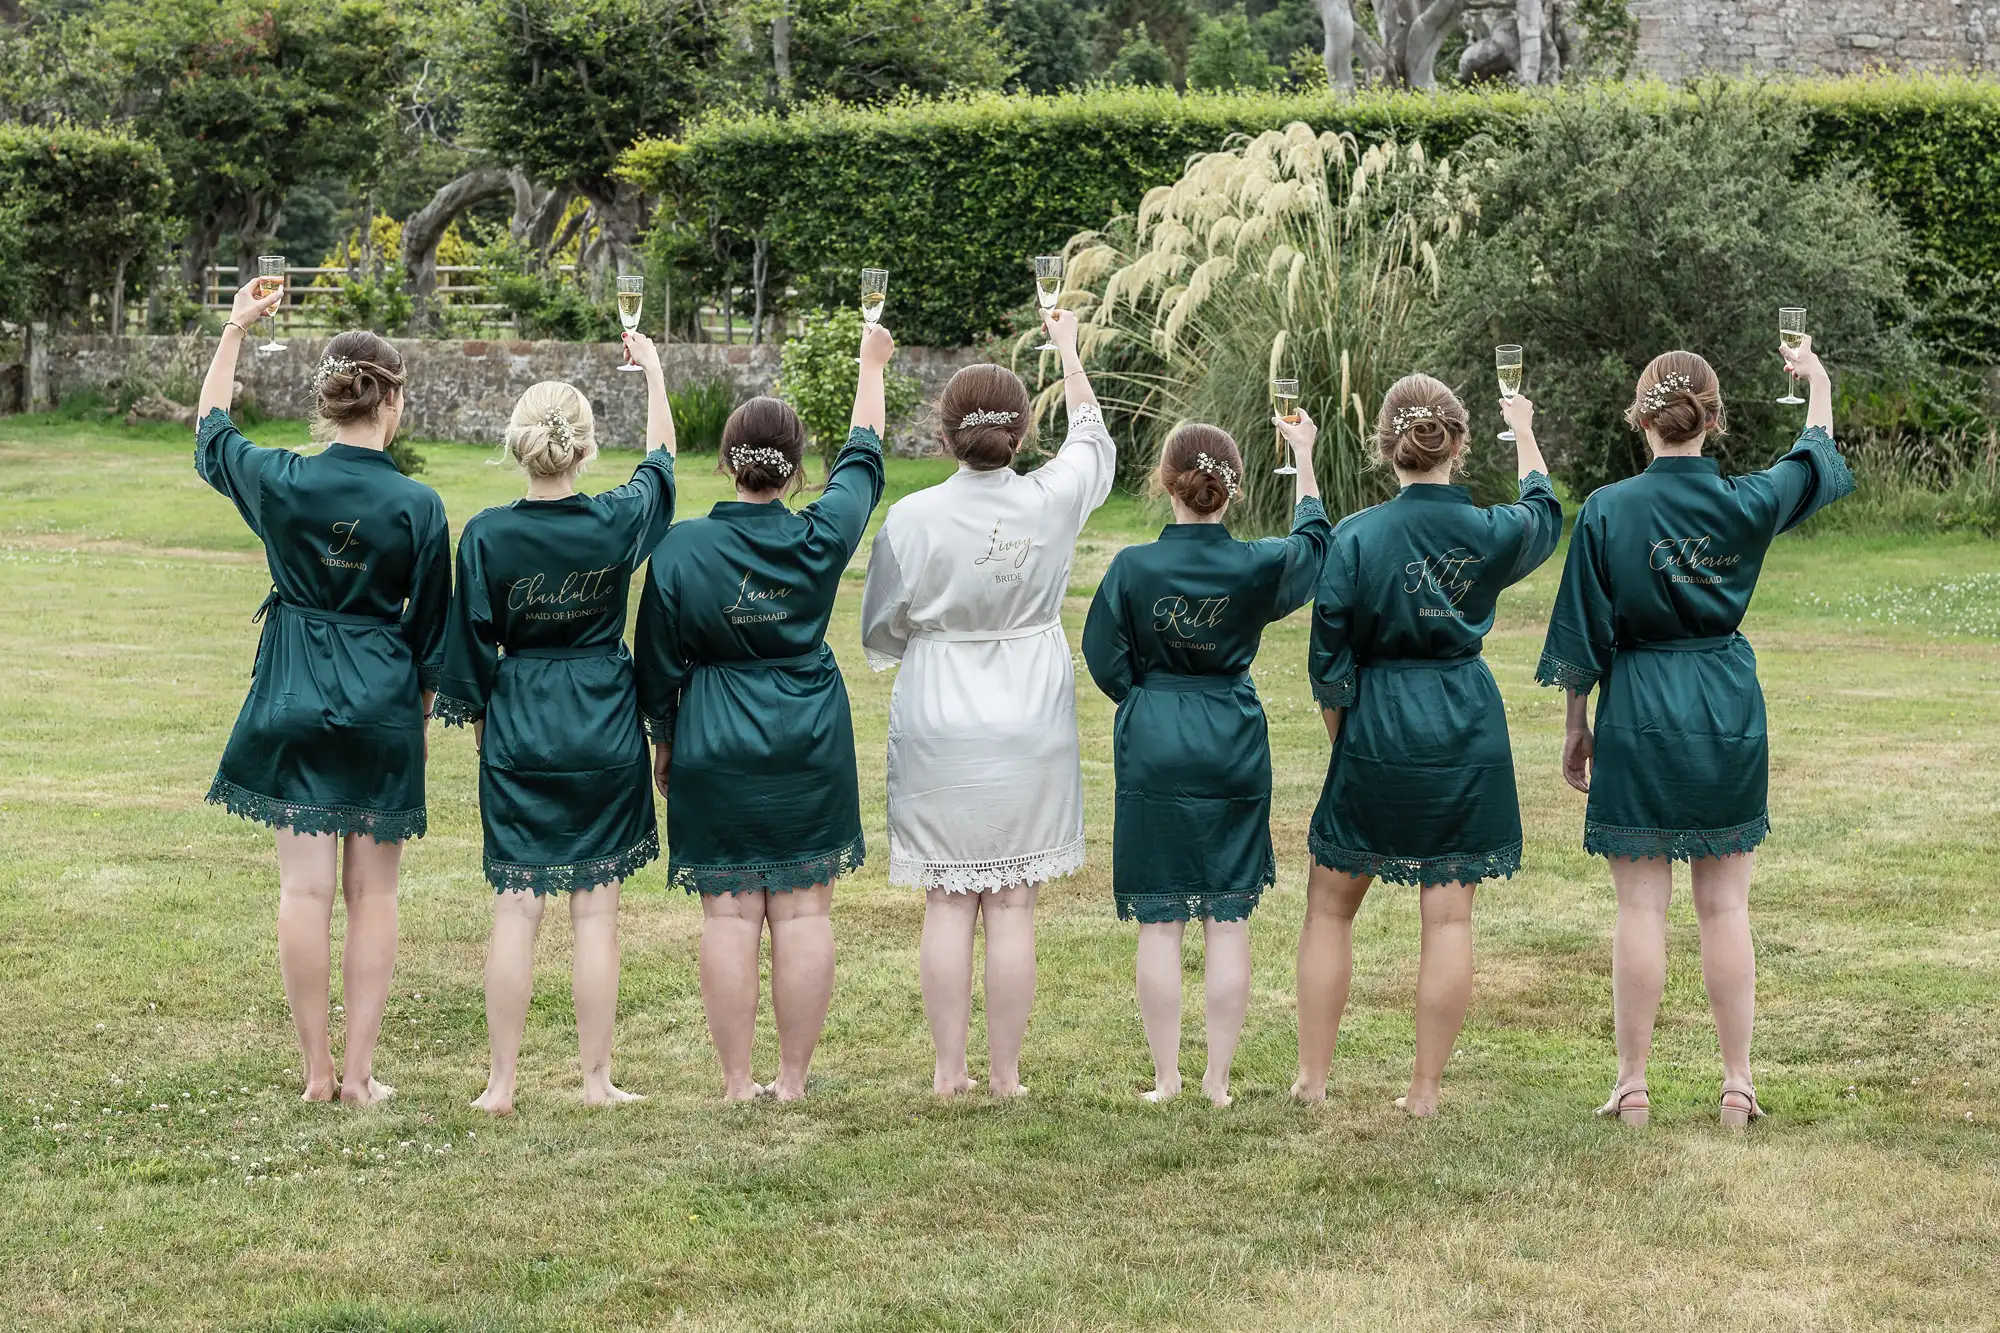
[(817, 377), (1612, 234), (701, 409), (1292, 253), (549, 307), (81, 211), (953, 196)]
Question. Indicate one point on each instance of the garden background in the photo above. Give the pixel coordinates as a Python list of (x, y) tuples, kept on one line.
[(1339, 192)]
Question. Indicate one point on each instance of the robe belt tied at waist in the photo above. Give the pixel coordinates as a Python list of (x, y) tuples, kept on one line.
[(985, 635), (813, 658), (1419, 663), (272, 603), (1175, 683), (615, 648), (1682, 645)]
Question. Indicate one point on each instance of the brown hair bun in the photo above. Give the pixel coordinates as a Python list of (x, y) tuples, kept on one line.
[(1422, 424), (983, 416), (1679, 396), (1201, 467), (763, 444), (359, 372)]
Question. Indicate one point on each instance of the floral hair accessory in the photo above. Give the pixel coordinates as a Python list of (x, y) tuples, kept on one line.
[(1408, 417), (561, 432), (1226, 473), (988, 419), (328, 367), (1665, 387), (740, 458)]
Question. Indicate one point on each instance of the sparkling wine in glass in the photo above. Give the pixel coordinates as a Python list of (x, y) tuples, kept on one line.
[(1048, 289), (1285, 402), (1792, 333), (271, 278), (1507, 366), (631, 296), (874, 292)]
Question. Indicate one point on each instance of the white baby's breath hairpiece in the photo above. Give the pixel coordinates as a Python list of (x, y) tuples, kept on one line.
[(740, 458), (984, 418), (1226, 473), (1665, 387), (1408, 417), (561, 433), (328, 367)]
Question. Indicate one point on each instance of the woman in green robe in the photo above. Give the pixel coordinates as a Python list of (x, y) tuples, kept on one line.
[(329, 747), (1660, 572), (535, 659), (749, 717), (1420, 787), (1171, 634)]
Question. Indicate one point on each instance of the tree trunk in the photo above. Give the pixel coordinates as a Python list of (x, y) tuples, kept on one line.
[(1528, 29), (427, 226), (117, 316), (197, 253), (781, 49), (1337, 18), (1421, 40), (760, 264), (620, 206)]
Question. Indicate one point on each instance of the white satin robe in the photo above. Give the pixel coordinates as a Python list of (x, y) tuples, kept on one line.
[(965, 589)]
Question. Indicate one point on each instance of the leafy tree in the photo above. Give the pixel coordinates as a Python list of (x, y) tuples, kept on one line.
[(247, 98), (83, 213), (864, 50), (1170, 23), (817, 378), (1226, 54), (1142, 60), (1051, 38)]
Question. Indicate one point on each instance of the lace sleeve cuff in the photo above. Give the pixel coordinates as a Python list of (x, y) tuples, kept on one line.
[(1086, 414), (862, 437), (1309, 509), (1836, 476), (1553, 671), (659, 730), (455, 712), (1536, 483), (1336, 694), (428, 677)]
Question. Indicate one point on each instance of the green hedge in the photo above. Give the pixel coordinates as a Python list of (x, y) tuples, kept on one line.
[(954, 197), (77, 209)]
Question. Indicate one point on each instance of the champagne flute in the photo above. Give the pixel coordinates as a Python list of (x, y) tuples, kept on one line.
[(631, 295), (874, 293), (1285, 402), (1792, 333), (1507, 365), (271, 278), (1048, 288)]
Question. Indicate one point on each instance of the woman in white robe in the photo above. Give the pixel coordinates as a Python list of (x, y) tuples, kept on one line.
[(965, 589)]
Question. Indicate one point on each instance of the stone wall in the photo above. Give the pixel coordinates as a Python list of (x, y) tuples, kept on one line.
[(1682, 38), (462, 390)]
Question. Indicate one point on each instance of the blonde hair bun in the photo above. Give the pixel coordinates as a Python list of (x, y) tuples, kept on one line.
[(552, 432)]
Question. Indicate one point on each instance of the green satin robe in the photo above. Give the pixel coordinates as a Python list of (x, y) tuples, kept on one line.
[(1660, 572), (1420, 786), (536, 648), (331, 737), (1171, 634), (734, 673)]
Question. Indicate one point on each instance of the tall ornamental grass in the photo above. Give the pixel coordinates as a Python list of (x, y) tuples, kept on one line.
[(1290, 253)]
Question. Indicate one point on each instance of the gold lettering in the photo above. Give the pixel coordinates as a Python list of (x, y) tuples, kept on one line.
[(345, 532)]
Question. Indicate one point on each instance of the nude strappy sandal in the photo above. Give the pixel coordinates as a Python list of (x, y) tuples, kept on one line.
[(1637, 1117), (1740, 1116)]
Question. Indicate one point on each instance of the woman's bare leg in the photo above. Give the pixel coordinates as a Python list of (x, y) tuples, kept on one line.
[(1638, 959), (307, 874), (1227, 993), (367, 960), (801, 979), (732, 931), (944, 970), (1159, 978), (1326, 970), (1728, 957), (1444, 989), (593, 983), (1010, 983), (510, 987)]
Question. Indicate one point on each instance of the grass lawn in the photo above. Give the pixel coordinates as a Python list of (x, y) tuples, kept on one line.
[(157, 1169)]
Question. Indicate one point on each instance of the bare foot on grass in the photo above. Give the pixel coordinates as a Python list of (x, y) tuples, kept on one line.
[(365, 1094), (495, 1101)]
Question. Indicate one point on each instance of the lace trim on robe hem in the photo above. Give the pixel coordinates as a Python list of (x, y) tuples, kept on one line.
[(382, 825), (770, 877), (1339, 694), (577, 877), (428, 678), (454, 712), (1563, 675), (987, 876), (1211, 905), (1839, 477), (659, 730), (1423, 871), (1642, 844), (880, 662)]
